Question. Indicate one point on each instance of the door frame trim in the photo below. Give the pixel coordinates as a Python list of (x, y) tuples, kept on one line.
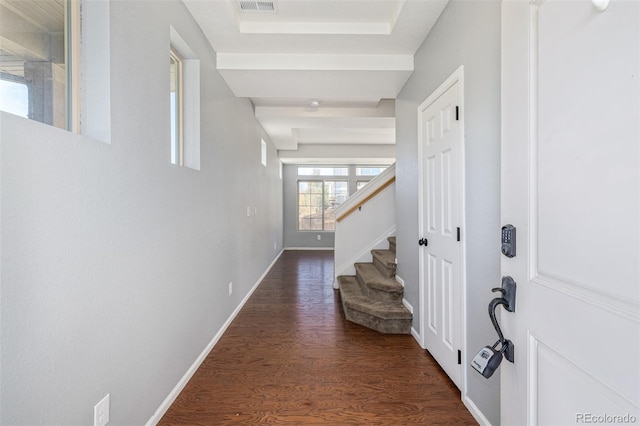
[(456, 77)]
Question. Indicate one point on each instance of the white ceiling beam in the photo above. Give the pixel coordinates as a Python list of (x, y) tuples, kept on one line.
[(385, 108), (339, 154), (321, 28), (308, 62), (334, 122), (345, 135), (315, 84)]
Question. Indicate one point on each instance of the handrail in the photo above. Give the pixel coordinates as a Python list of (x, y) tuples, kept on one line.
[(369, 197)]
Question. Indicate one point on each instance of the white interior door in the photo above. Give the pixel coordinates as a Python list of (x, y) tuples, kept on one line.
[(571, 186), (440, 150)]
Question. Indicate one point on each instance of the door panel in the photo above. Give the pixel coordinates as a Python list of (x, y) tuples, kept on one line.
[(440, 214), (432, 296), (447, 213), (577, 69), (571, 185), (556, 375)]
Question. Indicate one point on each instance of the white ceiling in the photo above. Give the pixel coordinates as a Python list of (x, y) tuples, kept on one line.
[(351, 56)]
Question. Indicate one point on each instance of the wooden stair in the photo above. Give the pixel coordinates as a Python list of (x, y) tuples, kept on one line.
[(372, 297)]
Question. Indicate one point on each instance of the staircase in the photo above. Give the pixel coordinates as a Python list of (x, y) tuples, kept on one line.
[(373, 297)]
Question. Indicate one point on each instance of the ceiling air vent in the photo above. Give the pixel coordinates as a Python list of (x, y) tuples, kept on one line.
[(257, 6)]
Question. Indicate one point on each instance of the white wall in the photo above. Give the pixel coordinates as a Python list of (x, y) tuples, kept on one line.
[(115, 263), (467, 33), (366, 228)]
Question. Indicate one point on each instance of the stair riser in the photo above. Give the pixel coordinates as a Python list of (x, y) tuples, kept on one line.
[(376, 294), (385, 296), (393, 326), (392, 244), (386, 271)]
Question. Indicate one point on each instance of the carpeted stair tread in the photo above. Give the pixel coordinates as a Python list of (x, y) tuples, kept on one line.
[(385, 256), (352, 298), (371, 277)]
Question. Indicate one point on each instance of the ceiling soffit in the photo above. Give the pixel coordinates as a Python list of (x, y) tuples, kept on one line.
[(351, 56)]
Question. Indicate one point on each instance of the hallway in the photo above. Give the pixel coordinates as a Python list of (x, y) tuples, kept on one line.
[(290, 357)]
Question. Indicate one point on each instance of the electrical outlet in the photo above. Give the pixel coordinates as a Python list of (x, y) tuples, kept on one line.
[(230, 288), (274, 246), (101, 412), (319, 237), (248, 211)]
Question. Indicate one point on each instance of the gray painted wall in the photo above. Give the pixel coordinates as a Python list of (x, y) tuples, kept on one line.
[(467, 33), (115, 263)]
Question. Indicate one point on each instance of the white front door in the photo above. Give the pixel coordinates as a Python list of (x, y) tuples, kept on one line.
[(440, 150), (571, 187)]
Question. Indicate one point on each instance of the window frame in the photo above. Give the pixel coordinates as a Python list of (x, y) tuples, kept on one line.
[(188, 144), (263, 152), (72, 47), (177, 146), (322, 175), (370, 176)]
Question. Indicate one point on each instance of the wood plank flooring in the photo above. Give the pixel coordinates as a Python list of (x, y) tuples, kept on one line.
[(290, 357)]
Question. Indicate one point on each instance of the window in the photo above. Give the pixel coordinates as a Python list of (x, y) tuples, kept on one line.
[(184, 98), (177, 107), (14, 96), (323, 171), (40, 45), (369, 171), (366, 174), (317, 201)]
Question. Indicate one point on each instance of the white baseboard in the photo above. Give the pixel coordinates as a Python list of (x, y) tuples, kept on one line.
[(407, 305), (309, 248), (166, 404), (475, 411), (416, 336)]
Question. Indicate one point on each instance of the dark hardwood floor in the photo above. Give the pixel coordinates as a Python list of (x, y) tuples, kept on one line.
[(290, 357)]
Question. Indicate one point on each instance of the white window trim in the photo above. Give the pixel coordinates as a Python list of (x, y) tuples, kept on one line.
[(95, 114), (178, 156)]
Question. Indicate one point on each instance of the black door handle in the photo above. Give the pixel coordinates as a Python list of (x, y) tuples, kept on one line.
[(423, 242)]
